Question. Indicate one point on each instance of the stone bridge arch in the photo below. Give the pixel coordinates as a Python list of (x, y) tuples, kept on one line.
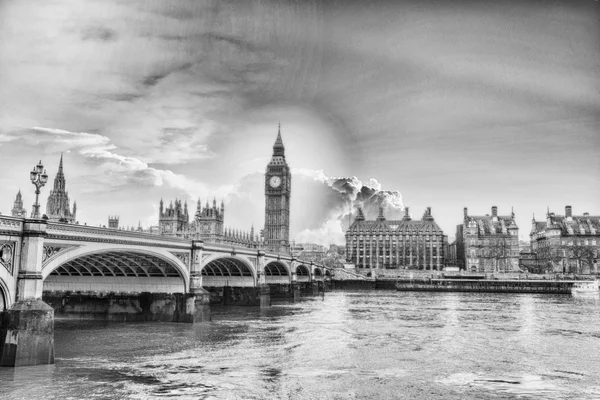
[(104, 267), (5, 296), (221, 270), (303, 273), (317, 273), (277, 271)]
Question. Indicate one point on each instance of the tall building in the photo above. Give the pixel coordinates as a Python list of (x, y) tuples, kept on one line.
[(278, 189), (57, 207), (18, 210), (488, 243), (113, 221), (395, 244), (567, 243)]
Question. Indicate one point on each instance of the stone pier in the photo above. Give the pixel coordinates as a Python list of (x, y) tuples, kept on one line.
[(27, 328)]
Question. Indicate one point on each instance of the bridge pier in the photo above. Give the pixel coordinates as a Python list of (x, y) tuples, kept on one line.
[(27, 328), (296, 289), (265, 296)]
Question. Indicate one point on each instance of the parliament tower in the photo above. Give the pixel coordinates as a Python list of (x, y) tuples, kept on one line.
[(278, 188), (57, 207)]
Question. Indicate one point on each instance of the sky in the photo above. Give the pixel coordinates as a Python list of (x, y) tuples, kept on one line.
[(442, 104)]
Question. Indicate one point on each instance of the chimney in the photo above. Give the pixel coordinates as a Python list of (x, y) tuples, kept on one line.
[(494, 211), (465, 211), (568, 211)]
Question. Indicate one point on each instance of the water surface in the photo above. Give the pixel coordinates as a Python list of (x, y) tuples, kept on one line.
[(349, 345)]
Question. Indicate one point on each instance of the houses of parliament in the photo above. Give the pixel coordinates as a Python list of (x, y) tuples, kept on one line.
[(208, 221)]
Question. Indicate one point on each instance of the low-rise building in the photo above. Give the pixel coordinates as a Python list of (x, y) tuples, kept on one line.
[(567, 243), (488, 243)]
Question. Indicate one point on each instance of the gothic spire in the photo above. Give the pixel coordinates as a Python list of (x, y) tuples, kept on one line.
[(60, 164), (278, 148)]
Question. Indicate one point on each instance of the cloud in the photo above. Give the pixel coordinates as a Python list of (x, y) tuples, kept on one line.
[(321, 206), (116, 170), (99, 33)]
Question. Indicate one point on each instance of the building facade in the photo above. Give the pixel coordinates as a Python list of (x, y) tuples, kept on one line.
[(207, 225), (113, 221), (57, 207), (18, 210), (387, 244), (488, 243), (567, 243), (278, 190)]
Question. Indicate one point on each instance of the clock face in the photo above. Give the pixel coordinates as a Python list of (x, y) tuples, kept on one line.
[(275, 181)]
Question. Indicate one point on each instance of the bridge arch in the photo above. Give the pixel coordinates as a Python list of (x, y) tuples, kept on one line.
[(277, 271), (4, 296), (317, 273), (106, 267), (228, 270), (303, 273)]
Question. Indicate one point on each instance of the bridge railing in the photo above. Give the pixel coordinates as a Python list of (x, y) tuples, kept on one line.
[(85, 231), (11, 224)]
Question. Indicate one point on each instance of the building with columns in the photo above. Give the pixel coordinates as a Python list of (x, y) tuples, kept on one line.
[(567, 243), (18, 210), (57, 207), (488, 243), (383, 244)]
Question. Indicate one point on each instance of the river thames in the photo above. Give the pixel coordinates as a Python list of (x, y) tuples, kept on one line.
[(349, 345)]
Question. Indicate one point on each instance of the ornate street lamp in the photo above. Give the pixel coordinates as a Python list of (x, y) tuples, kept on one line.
[(39, 178)]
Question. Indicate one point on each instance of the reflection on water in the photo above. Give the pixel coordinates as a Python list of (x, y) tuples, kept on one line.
[(351, 345)]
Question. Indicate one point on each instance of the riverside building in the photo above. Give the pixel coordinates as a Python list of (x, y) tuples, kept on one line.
[(383, 244), (567, 243), (488, 243)]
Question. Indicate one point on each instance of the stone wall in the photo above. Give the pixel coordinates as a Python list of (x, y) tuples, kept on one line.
[(168, 307)]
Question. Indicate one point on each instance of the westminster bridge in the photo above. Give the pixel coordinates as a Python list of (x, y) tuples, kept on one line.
[(80, 271)]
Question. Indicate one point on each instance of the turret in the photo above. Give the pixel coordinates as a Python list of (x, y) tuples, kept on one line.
[(359, 215), (406, 216), (380, 217)]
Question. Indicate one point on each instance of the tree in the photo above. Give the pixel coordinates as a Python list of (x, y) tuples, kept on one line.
[(496, 252), (549, 256), (582, 254)]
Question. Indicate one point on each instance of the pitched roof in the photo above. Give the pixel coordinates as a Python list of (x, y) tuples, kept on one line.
[(575, 225), (488, 226), (400, 226)]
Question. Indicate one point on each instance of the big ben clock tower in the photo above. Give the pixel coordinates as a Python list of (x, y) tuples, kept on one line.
[(278, 188)]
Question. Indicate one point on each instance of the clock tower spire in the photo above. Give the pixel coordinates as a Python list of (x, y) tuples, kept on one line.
[(278, 189)]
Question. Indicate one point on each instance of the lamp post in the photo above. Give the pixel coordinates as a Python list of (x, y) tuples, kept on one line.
[(39, 178)]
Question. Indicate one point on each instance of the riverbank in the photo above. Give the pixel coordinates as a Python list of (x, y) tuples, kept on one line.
[(542, 286)]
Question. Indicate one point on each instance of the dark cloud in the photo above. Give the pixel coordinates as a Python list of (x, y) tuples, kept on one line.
[(99, 33), (154, 79), (127, 97)]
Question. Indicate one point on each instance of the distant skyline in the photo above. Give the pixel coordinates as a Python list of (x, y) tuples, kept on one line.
[(472, 105)]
